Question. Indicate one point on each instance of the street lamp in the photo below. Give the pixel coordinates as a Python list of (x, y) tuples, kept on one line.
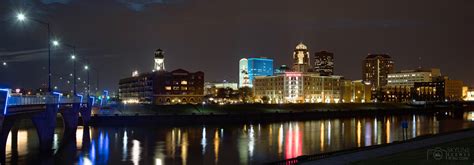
[(4, 63), (86, 67), (73, 58), (22, 17), (55, 43)]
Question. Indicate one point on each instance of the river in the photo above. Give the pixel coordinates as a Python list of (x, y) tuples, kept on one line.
[(250, 143)]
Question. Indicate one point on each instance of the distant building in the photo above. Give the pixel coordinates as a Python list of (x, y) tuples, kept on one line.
[(429, 91), (407, 78), (159, 60), (400, 85), (251, 67), (440, 89), (301, 62), (355, 91), (324, 63), (297, 87), (453, 89), (282, 69), (469, 95), (375, 69), (210, 88), (162, 87), (394, 94)]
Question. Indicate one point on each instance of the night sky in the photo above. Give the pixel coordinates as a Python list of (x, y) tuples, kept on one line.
[(118, 36)]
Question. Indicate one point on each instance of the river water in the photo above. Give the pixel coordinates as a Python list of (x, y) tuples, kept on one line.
[(251, 143)]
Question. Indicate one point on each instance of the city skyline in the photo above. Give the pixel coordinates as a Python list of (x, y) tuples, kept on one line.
[(430, 37)]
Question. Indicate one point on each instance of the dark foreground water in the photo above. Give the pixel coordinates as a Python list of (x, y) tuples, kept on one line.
[(227, 144)]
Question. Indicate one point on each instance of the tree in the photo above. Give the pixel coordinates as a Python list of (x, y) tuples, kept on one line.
[(265, 99), (245, 94)]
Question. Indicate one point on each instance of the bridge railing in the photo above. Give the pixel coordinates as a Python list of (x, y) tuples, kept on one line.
[(46, 99)]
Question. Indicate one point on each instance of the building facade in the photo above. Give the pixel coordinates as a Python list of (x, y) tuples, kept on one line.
[(251, 67), (297, 87), (210, 88), (301, 59), (324, 63), (355, 91), (162, 87), (440, 89), (407, 78), (453, 89), (429, 91), (375, 69)]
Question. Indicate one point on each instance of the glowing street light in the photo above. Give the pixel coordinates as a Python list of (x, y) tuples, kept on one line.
[(73, 57), (55, 43), (86, 67), (4, 63), (22, 18)]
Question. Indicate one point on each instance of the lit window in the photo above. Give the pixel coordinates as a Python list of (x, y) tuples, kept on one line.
[(168, 88), (184, 82)]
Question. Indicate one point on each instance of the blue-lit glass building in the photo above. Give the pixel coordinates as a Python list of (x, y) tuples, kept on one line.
[(251, 67)]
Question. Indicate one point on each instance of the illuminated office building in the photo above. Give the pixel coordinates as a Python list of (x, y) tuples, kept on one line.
[(407, 78), (375, 69), (251, 67), (324, 63)]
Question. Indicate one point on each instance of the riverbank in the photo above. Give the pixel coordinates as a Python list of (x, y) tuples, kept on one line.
[(418, 150), (219, 114)]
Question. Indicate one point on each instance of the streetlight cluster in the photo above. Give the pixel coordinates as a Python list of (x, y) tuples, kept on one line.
[(22, 17)]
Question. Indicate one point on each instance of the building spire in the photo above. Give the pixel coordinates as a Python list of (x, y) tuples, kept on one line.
[(159, 60)]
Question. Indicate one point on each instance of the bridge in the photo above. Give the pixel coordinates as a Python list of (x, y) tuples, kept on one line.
[(42, 110)]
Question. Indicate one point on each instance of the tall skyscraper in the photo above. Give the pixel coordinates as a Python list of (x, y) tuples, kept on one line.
[(159, 60), (375, 69), (324, 63), (301, 58), (251, 67)]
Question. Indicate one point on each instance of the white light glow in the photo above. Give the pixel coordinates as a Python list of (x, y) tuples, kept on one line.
[(21, 16)]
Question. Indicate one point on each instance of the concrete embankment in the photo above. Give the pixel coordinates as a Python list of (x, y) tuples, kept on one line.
[(420, 150), (220, 114)]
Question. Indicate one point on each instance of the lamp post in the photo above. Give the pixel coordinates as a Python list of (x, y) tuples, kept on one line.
[(22, 17), (73, 58), (86, 67)]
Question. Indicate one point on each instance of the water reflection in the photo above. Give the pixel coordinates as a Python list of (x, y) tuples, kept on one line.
[(253, 143)]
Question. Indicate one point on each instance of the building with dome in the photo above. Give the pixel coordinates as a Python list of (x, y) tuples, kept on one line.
[(299, 84), (301, 58), (161, 87)]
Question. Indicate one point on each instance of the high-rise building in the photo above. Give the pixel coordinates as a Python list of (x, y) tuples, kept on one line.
[(159, 60), (375, 69), (324, 63), (301, 61), (251, 67)]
